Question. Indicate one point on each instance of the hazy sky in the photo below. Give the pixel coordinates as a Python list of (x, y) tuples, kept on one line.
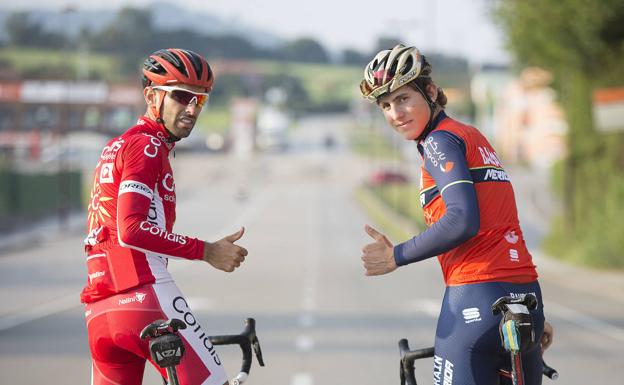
[(453, 26)]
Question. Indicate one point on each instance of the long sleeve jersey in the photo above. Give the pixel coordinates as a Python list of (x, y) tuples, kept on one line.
[(470, 210), (131, 214)]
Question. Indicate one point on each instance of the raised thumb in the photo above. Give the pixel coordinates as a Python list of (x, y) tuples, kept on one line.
[(236, 236)]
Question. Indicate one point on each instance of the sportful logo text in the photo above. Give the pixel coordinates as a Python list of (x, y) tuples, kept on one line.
[(471, 314), (513, 255)]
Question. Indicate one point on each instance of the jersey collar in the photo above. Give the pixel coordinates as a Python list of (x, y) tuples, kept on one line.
[(434, 124), (151, 127)]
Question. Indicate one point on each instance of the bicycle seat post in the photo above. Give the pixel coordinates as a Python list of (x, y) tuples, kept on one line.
[(166, 346)]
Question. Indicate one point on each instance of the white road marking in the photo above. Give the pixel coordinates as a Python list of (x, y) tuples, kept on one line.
[(310, 271), (302, 379), (304, 344), (200, 303), (426, 306), (585, 321), (36, 312)]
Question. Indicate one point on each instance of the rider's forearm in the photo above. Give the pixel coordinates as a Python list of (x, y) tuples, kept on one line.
[(135, 231), (459, 224)]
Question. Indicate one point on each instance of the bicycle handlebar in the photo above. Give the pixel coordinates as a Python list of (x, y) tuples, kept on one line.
[(406, 371), (408, 357), (246, 340), (549, 372)]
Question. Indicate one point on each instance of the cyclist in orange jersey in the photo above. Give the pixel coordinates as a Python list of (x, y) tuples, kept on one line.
[(472, 220)]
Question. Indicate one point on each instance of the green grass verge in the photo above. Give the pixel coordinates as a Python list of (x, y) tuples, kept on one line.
[(214, 120), (369, 142), (324, 82), (396, 224), (30, 61)]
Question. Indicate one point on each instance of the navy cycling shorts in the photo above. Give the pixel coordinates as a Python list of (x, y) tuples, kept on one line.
[(468, 348)]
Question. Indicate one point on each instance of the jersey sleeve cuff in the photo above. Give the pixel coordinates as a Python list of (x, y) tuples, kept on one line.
[(399, 255)]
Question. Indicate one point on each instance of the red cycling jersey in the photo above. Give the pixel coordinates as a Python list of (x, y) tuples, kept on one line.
[(498, 251), (131, 215)]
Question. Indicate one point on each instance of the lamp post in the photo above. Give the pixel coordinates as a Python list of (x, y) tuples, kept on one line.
[(64, 188)]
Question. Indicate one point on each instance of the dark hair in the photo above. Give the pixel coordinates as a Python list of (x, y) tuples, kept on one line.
[(423, 82)]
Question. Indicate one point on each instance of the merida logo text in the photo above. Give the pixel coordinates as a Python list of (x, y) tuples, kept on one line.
[(162, 233), (492, 174)]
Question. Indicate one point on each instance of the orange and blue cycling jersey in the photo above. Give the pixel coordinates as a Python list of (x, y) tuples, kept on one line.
[(470, 210)]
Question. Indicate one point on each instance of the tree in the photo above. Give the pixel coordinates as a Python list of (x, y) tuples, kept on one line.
[(353, 57), (128, 33), (305, 50), (24, 31), (582, 43), (386, 42)]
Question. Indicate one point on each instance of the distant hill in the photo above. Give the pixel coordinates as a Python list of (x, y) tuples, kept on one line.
[(167, 16)]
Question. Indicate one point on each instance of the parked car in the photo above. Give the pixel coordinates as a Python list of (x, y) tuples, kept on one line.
[(381, 177)]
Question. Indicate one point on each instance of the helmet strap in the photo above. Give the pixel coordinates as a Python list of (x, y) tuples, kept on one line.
[(157, 111), (432, 108)]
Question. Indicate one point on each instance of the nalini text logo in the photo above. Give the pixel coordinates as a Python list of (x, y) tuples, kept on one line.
[(96, 275), (138, 297)]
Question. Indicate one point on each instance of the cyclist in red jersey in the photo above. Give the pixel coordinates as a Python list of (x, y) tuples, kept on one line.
[(130, 232), (470, 210)]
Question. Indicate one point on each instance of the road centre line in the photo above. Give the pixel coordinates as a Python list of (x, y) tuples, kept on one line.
[(301, 378)]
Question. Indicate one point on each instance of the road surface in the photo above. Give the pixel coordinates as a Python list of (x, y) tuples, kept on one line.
[(319, 319)]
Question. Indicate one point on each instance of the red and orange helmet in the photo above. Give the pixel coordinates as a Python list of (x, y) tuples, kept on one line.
[(177, 66)]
